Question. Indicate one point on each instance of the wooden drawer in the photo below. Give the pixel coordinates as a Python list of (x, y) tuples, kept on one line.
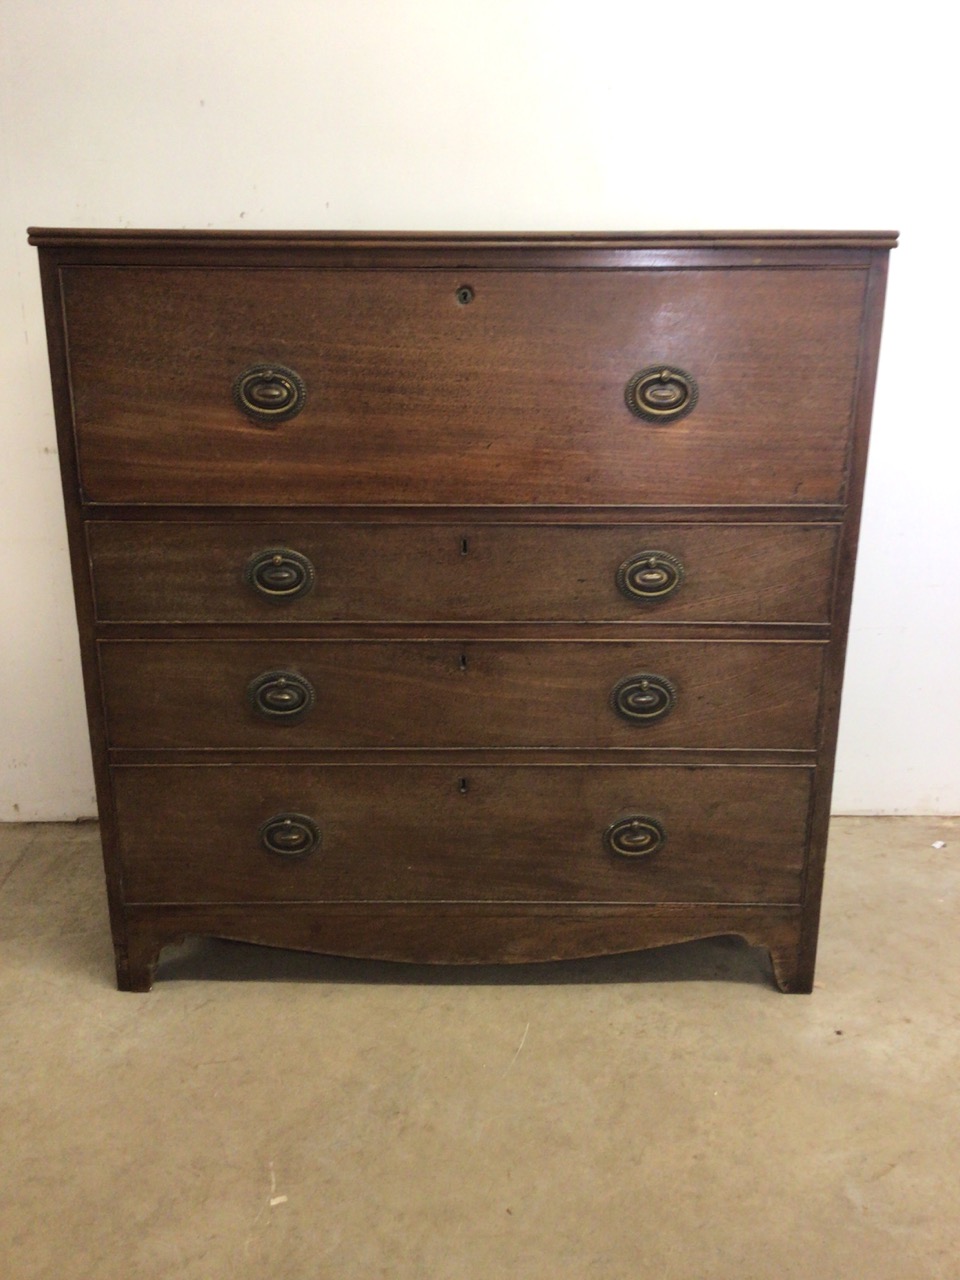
[(411, 397), (149, 571), (442, 834), (179, 694)]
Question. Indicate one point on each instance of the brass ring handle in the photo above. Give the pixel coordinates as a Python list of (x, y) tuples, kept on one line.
[(635, 837), (650, 576), (661, 393), (281, 696), (293, 835), (644, 698), (269, 393), (279, 574)]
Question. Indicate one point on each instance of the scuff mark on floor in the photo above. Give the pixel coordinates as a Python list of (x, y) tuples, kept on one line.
[(523, 1041)]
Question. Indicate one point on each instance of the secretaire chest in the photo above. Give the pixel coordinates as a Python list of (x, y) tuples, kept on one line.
[(463, 598)]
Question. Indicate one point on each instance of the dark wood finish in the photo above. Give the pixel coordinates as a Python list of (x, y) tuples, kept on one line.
[(744, 696), (802, 978), (333, 243), (150, 571), (467, 477), (436, 513), (465, 631), (125, 756), (442, 834), (126, 941), (459, 933), (412, 397)]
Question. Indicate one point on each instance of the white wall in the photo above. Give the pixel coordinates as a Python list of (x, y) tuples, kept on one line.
[(499, 114)]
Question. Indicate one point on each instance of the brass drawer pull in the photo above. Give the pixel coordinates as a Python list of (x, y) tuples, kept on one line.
[(283, 696), (279, 574), (650, 576), (293, 835), (644, 698), (269, 393), (635, 837), (661, 393)]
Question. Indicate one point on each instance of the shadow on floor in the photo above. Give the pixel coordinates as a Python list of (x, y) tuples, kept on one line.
[(725, 959)]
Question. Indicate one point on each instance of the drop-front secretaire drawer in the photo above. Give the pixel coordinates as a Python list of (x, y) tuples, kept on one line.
[(367, 694), (148, 571), (474, 833), (313, 386)]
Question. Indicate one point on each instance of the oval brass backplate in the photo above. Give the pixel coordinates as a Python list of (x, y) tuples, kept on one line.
[(279, 574), (650, 576), (661, 393), (282, 696), (269, 393), (293, 835), (635, 837), (644, 698)]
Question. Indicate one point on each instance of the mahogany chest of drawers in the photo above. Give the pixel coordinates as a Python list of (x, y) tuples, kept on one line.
[(463, 598)]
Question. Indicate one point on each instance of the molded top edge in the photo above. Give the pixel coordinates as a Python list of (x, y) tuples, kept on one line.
[(495, 239)]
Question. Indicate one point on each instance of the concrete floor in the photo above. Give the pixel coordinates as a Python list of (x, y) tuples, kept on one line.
[(265, 1114)]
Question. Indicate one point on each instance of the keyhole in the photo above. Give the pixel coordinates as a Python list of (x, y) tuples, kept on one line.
[(464, 295), (462, 786), (463, 662), (464, 546)]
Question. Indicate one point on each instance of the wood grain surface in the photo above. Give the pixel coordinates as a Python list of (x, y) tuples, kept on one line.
[(170, 694), (412, 397), (466, 478), (153, 571), (441, 834)]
